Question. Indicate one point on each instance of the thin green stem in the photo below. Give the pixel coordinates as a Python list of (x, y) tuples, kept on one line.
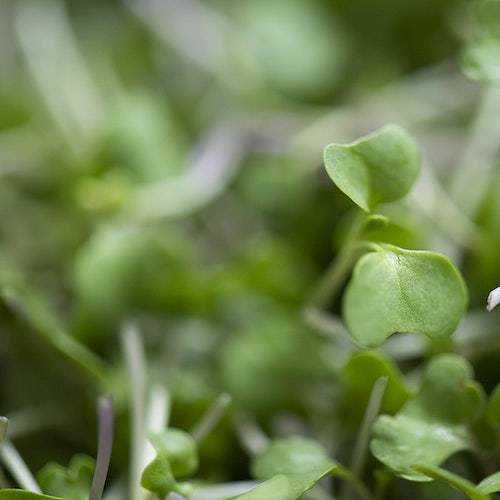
[(135, 361), (358, 486), (361, 447), (211, 418), (334, 277)]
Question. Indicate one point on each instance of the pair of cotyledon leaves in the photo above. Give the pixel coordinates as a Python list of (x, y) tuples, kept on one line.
[(392, 289), (481, 59)]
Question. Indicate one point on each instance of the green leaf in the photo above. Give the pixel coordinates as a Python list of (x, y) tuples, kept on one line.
[(488, 16), (303, 461), (24, 495), (490, 484), (378, 168), (277, 488), (181, 449), (455, 481), (395, 290), (432, 425), (358, 376), (158, 477), (493, 408), (72, 483), (481, 59)]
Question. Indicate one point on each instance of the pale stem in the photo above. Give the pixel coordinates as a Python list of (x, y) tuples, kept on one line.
[(211, 418), (133, 352), (17, 467), (105, 446), (361, 446)]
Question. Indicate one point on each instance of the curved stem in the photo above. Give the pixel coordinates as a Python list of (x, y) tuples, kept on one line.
[(105, 446)]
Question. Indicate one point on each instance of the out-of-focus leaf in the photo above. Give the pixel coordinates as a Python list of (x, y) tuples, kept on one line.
[(303, 461), (271, 363), (180, 448), (378, 168), (275, 30), (71, 483), (9, 494), (395, 290), (481, 59), (432, 425), (277, 488)]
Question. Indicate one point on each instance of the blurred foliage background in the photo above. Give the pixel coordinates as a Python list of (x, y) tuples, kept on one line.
[(161, 162)]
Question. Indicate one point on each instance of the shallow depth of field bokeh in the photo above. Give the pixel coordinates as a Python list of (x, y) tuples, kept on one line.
[(161, 169)]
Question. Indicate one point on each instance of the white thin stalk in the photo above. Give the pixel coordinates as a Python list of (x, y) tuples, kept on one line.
[(493, 299), (251, 436), (211, 418), (15, 464), (4, 423), (157, 417), (133, 352)]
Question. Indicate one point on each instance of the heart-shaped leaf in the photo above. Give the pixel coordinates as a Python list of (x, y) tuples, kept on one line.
[(378, 168), (395, 290), (358, 376), (72, 483), (277, 488), (303, 461), (24, 495), (432, 425)]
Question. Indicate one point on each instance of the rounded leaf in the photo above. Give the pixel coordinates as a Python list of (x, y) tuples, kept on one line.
[(431, 426), (378, 168), (303, 461), (181, 449), (403, 291)]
